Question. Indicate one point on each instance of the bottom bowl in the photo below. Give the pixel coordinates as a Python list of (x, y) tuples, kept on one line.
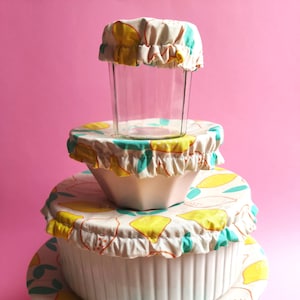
[(188, 277)]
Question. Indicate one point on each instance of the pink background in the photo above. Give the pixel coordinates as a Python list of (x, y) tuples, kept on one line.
[(51, 81)]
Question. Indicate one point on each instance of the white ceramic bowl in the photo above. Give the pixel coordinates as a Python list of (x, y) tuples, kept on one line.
[(188, 277), (144, 193)]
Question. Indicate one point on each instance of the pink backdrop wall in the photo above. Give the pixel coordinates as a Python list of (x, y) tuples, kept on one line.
[(51, 81)]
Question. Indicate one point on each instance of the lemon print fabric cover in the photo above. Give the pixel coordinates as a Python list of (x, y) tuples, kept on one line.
[(217, 210), (96, 145), (154, 42)]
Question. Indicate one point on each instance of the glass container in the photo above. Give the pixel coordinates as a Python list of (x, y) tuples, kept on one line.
[(149, 102)]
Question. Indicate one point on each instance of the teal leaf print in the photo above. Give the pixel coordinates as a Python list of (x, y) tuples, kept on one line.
[(51, 198), (187, 243), (57, 284), (189, 38), (39, 271), (254, 210), (138, 145), (151, 212), (86, 172), (102, 48), (164, 122), (51, 244), (65, 194), (144, 161), (42, 290), (82, 132), (126, 212), (213, 159), (138, 212), (236, 189), (29, 282), (219, 132), (225, 237), (177, 204), (71, 144), (193, 193)]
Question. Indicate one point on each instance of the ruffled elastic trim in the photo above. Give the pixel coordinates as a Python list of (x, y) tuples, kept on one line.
[(217, 211), (161, 43), (197, 150)]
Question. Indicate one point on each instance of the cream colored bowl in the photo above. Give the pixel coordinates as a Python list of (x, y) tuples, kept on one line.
[(144, 193)]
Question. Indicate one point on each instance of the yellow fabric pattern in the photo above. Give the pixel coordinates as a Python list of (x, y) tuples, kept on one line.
[(216, 180), (177, 145), (85, 206), (257, 271), (151, 226), (63, 224), (96, 125), (85, 153), (210, 219), (127, 42)]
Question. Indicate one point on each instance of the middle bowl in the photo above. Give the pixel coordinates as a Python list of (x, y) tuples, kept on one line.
[(146, 174)]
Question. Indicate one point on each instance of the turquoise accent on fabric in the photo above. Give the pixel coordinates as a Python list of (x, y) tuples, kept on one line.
[(194, 192), (151, 212), (71, 144), (52, 244), (213, 159), (126, 212), (222, 240), (29, 282), (189, 38), (144, 161), (217, 130), (187, 243), (133, 144), (236, 189), (42, 290), (140, 212), (51, 198), (164, 122), (177, 204), (57, 284), (82, 132), (225, 237), (102, 48), (86, 172), (39, 271), (254, 210)]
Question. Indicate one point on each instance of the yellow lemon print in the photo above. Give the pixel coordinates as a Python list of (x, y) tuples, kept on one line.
[(176, 145), (127, 39), (216, 180), (218, 168), (96, 125), (85, 153), (179, 57), (35, 261), (210, 219), (85, 206), (151, 226), (63, 224), (250, 240), (114, 166), (256, 271), (66, 295)]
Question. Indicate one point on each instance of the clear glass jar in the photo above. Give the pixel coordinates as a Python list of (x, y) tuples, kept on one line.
[(149, 102)]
